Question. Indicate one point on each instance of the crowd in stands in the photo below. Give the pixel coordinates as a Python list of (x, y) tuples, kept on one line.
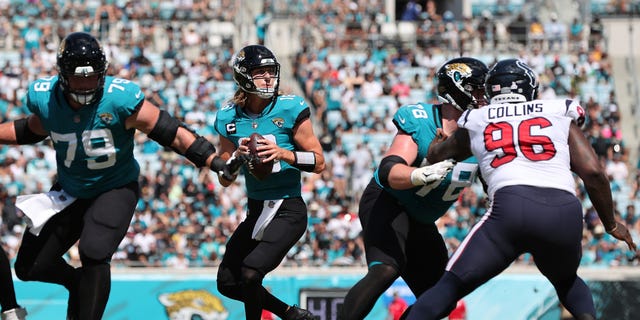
[(353, 76)]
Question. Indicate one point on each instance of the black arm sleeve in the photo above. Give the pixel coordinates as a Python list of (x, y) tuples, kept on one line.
[(385, 168), (24, 135), (199, 151), (165, 130)]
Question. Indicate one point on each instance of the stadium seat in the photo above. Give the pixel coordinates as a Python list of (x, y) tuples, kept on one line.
[(167, 9), (407, 32), (389, 32)]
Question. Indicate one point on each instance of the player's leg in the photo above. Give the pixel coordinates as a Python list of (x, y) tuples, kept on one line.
[(286, 228), (229, 279), (427, 257), (8, 303), (232, 274), (105, 225), (385, 230), (557, 250), (7, 291), (489, 249), (40, 258)]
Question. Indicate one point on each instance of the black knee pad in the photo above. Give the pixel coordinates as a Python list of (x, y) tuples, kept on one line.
[(26, 272), (88, 261), (227, 284), (384, 271), (225, 277), (96, 253), (251, 277), (23, 271)]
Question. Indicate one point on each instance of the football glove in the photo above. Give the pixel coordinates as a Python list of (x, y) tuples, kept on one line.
[(233, 165), (428, 174)]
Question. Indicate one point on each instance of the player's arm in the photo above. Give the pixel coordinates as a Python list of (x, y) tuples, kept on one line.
[(308, 154), (585, 163), (27, 130), (456, 146), (234, 157), (395, 172), (170, 132)]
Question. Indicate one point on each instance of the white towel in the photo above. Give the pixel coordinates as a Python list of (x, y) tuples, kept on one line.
[(269, 209), (40, 207)]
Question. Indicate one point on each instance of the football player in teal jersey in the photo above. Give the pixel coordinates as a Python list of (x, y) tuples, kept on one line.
[(91, 119), (405, 197), (277, 214)]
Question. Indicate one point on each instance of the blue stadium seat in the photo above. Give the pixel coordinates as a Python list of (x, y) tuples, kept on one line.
[(166, 10)]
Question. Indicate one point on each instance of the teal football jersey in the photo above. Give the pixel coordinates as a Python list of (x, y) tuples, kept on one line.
[(276, 122), (430, 202), (94, 150)]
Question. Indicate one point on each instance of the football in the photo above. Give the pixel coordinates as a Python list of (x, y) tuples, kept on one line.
[(257, 168)]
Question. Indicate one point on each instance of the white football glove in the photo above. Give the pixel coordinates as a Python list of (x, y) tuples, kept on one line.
[(425, 175)]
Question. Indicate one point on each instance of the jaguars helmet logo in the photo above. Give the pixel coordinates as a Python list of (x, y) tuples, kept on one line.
[(240, 56), (458, 71), (193, 304)]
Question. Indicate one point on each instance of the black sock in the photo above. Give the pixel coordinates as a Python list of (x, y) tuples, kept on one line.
[(273, 304), (93, 290)]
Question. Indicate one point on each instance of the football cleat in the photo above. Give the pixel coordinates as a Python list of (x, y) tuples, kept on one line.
[(14, 314), (296, 313)]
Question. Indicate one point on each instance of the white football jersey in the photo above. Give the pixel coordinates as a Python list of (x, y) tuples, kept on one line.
[(523, 143)]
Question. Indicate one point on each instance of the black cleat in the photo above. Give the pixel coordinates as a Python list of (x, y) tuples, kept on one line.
[(296, 313)]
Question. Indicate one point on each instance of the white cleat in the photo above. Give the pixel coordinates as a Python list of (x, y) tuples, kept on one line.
[(14, 314)]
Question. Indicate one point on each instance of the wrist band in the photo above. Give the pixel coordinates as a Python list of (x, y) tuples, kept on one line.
[(614, 228), (304, 160)]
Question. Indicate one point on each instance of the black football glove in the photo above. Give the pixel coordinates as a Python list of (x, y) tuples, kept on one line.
[(233, 166), (228, 170)]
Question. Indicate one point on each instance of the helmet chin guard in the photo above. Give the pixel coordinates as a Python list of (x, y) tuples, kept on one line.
[(267, 93)]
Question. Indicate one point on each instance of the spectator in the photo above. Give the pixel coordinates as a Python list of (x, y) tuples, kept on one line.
[(518, 31), (576, 35), (617, 170), (412, 11), (536, 34), (459, 312), (360, 162), (338, 164), (262, 21), (596, 31), (371, 88), (397, 306), (555, 32), (400, 89)]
